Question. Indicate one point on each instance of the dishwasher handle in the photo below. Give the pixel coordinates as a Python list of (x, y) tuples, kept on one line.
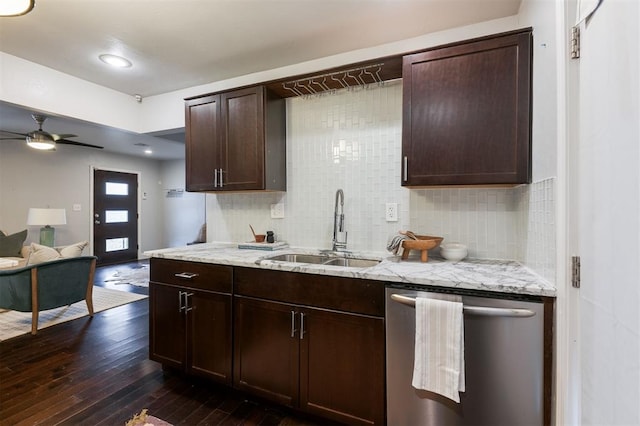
[(475, 310)]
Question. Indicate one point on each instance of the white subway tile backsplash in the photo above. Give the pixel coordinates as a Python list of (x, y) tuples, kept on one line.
[(351, 139)]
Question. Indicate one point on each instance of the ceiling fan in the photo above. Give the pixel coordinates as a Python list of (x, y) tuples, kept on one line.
[(39, 139)]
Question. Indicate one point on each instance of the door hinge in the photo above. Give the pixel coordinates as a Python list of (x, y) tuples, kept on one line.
[(575, 42), (575, 271)]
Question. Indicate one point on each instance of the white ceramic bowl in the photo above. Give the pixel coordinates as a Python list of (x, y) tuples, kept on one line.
[(453, 251)]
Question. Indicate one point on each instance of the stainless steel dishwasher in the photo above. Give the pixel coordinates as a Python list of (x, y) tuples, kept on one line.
[(503, 347)]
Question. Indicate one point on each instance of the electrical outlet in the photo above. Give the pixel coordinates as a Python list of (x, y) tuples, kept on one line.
[(391, 212), (277, 211)]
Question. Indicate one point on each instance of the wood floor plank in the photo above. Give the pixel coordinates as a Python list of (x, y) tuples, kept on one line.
[(96, 371)]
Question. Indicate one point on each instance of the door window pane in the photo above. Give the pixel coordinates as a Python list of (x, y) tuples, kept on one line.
[(116, 244), (116, 188), (116, 216)]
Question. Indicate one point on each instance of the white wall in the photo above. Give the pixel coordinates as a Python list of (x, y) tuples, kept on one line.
[(541, 15), (43, 89), (61, 179), (184, 212)]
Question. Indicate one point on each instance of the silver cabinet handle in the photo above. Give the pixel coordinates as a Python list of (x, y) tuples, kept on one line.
[(181, 303), (187, 308), (215, 178), (302, 326), (293, 324), (186, 275), (221, 180), (406, 168), (475, 310)]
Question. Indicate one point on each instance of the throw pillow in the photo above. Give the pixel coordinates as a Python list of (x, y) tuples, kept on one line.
[(40, 253), (10, 245), (73, 250)]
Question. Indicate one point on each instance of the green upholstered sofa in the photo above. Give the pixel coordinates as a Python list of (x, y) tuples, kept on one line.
[(48, 285)]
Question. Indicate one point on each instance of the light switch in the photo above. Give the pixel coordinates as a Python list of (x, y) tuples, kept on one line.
[(77, 207)]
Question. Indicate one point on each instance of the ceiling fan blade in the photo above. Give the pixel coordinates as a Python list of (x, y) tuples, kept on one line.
[(63, 136), (12, 139), (68, 142), (13, 133)]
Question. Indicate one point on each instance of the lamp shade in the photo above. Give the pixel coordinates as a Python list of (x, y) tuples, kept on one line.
[(42, 217), (15, 7)]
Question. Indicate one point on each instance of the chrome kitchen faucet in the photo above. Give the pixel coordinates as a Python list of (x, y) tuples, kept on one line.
[(339, 234)]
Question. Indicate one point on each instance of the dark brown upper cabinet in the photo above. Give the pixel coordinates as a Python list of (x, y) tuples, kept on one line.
[(235, 141), (467, 113)]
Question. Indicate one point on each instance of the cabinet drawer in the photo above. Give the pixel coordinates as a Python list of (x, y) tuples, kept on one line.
[(196, 275), (321, 291)]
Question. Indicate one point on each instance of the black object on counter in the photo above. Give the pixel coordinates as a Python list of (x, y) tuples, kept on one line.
[(270, 238)]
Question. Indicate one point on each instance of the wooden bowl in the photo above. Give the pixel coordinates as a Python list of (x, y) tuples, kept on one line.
[(423, 243), (259, 238)]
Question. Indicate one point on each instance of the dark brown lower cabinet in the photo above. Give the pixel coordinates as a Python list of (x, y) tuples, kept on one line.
[(190, 328), (342, 366), (324, 362), (265, 354), (310, 342)]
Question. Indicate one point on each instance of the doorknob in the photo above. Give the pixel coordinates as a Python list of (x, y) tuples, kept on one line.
[(97, 215)]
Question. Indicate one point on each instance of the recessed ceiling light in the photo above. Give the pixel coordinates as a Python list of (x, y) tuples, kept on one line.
[(115, 61), (15, 7), (148, 151)]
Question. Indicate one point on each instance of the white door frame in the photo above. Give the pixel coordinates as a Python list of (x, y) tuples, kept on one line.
[(567, 352)]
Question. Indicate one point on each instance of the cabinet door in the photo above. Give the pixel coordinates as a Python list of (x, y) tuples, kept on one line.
[(202, 140), (166, 326), (242, 150), (266, 350), (466, 113), (342, 366), (209, 335)]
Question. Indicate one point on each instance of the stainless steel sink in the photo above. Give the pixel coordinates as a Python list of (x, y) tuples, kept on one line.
[(300, 258), (352, 263), (320, 259)]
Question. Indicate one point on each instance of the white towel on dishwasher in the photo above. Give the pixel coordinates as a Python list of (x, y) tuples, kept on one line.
[(439, 346)]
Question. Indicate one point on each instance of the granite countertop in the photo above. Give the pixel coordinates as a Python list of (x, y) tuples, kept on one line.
[(503, 276)]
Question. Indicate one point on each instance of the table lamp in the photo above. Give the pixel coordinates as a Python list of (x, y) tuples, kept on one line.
[(46, 218)]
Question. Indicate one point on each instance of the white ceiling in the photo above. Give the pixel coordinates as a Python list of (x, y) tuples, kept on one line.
[(175, 44)]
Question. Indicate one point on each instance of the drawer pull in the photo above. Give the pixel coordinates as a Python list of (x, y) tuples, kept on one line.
[(186, 275)]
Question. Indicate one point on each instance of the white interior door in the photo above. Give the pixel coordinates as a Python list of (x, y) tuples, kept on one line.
[(604, 214)]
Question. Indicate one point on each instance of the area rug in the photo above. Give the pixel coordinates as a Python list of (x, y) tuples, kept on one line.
[(138, 276), (13, 323)]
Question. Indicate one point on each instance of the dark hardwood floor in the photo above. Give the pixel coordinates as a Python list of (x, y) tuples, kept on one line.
[(97, 372)]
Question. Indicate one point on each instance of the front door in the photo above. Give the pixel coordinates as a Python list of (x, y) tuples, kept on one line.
[(115, 214)]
